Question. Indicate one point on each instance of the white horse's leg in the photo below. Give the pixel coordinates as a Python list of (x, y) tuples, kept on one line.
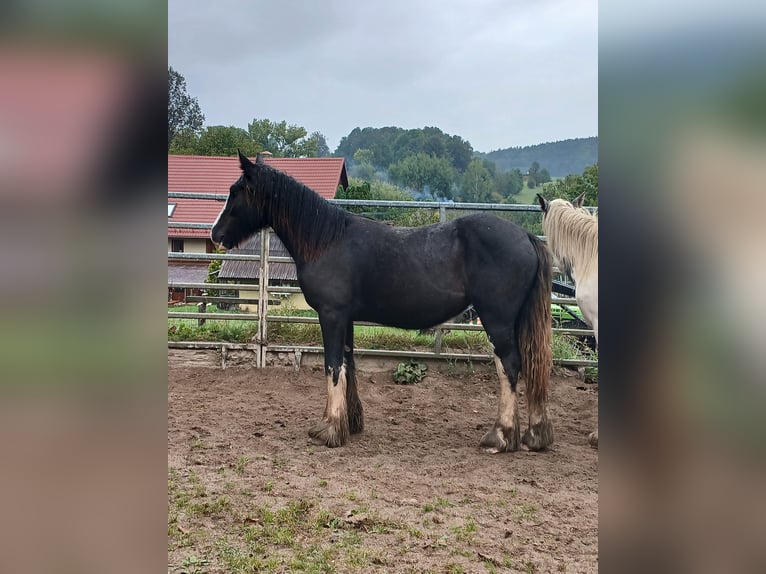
[(587, 299)]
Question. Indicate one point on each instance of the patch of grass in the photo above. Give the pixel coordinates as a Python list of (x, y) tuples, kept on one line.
[(194, 565), (241, 465), (279, 462), (525, 511), (198, 444), (414, 532), (466, 532), (569, 347), (323, 483), (269, 486), (218, 507), (439, 503), (237, 560), (453, 568), (267, 528), (358, 557), (351, 495), (313, 560)]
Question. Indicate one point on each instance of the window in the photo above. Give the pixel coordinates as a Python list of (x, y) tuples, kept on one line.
[(177, 245), (171, 209)]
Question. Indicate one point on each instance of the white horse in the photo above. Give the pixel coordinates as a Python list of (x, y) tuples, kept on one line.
[(572, 233)]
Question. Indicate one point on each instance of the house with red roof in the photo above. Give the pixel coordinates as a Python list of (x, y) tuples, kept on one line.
[(211, 174)]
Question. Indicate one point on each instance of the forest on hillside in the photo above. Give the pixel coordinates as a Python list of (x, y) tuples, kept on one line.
[(560, 158), (424, 163)]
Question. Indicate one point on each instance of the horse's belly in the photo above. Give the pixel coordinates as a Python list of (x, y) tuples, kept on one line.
[(406, 313)]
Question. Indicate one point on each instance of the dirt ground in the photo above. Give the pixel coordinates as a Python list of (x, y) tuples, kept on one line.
[(248, 491)]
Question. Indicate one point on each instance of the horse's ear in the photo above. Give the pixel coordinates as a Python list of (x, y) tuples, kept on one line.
[(244, 163), (577, 201), (259, 159), (543, 202)]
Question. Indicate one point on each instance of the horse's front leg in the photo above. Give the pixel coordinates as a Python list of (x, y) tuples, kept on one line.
[(333, 429)]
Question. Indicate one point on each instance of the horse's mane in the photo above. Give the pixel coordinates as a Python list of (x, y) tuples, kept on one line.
[(301, 217), (572, 236)]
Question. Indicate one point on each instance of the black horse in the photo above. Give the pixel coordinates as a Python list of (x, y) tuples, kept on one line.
[(351, 268)]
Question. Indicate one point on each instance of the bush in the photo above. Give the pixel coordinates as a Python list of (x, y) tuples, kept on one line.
[(409, 373)]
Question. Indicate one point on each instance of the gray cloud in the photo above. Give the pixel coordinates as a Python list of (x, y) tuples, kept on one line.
[(498, 73)]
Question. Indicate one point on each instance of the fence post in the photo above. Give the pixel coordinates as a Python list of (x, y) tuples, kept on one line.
[(263, 297), (438, 334), (201, 306)]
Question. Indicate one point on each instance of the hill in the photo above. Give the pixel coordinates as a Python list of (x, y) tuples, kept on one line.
[(559, 158)]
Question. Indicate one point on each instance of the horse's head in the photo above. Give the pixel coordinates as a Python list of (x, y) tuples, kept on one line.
[(240, 217), (546, 205)]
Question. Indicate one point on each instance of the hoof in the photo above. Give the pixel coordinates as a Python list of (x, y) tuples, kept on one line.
[(330, 434), (539, 436), (593, 439), (500, 439)]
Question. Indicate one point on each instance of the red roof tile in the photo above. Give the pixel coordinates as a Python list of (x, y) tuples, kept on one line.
[(208, 174)]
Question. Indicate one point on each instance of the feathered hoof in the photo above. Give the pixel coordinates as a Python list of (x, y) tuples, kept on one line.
[(539, 436), (593, 439), (330, 433), (499, 439)]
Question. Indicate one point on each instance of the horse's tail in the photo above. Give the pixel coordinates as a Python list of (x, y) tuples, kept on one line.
[(534, 328)]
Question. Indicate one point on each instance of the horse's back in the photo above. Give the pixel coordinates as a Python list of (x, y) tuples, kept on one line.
[(489, 241)]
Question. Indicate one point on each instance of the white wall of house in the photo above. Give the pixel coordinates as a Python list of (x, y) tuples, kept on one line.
[(195, 245), (292, 301)]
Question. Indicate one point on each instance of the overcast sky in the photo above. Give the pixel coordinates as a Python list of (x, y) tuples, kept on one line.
[(498, 73)]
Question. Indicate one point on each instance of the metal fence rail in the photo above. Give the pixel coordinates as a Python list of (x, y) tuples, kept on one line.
[(261, 346)]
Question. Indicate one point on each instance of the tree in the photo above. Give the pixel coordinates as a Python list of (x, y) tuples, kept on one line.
[(225, 141), (391, 145), (532, 175), (322, 148), (478, 185), (362, 166), (573, 185), (184, 113), (509, 183), (426, 174), (283, 140)]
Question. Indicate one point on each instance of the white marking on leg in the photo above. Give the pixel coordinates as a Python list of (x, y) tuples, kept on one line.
[(506, 406), (336, 396)]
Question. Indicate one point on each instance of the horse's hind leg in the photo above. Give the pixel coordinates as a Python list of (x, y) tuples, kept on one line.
[(355, 410), (333, 429), (504, 434)]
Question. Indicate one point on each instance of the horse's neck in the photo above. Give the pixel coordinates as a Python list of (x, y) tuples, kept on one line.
[(287, 237), (297, 233)]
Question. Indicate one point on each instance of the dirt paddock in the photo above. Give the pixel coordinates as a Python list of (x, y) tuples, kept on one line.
[(248, 492)]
